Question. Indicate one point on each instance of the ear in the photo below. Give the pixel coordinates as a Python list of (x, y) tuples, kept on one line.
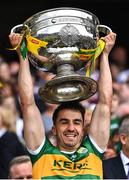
[(123, 138), (54, 130)]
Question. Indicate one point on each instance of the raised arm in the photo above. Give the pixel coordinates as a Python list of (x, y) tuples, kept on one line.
[(100, 123), (33, 125)]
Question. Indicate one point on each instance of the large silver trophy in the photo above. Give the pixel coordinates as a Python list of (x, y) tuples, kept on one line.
[(63, 32)]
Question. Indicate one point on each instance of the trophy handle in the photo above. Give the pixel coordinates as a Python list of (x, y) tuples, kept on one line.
[(103, 29), (18, 28)]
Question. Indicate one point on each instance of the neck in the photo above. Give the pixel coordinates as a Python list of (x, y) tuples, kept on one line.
[(67, 149)]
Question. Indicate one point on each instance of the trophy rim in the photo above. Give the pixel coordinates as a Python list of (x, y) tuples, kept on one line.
[(60, 8)]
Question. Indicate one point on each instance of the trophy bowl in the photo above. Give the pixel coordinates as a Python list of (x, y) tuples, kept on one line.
[(63, 32)]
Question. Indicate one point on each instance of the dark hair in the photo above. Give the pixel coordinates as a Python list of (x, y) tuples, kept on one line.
[(72, 105)]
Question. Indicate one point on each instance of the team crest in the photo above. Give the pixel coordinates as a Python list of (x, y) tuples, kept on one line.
[(82, 150)]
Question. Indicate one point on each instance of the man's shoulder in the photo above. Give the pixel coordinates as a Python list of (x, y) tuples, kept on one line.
[(92, 147)]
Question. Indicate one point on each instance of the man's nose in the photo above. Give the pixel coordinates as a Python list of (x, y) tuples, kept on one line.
[(71, 127)]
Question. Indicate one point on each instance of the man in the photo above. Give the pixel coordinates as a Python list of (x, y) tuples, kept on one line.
[(72, 158), (118, 167), (20, 168)]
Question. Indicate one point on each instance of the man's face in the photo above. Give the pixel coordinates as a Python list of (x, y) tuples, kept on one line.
[(124, 138), (69, 130), (21, 171), (124, 92), (115, 103)]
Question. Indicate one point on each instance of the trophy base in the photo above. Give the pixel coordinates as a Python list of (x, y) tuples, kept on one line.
[(68, 88)]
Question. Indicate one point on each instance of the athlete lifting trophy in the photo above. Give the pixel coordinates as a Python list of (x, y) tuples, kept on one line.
[(63, 41)]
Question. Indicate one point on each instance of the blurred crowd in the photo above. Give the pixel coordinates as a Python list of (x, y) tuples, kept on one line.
[(11, 121)]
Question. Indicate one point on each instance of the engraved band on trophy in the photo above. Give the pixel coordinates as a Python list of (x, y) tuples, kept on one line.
[(64, 35)]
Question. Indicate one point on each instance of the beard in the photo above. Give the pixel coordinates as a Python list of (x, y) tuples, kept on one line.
[(69, 143)]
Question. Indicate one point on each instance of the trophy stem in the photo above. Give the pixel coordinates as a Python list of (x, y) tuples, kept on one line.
[(65, 70)]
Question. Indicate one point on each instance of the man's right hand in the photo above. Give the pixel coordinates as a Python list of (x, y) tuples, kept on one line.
[(15, 40)]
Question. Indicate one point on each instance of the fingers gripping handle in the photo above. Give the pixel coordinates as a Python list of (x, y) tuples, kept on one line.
[(104, 29)]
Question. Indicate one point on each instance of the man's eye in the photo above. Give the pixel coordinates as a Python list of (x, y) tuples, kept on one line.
[(64, 122), (77, 122)]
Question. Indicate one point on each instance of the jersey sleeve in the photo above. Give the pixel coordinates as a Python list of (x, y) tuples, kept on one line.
[(35, 155)]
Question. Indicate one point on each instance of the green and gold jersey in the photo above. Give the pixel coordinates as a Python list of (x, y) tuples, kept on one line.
[(51, 163)]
